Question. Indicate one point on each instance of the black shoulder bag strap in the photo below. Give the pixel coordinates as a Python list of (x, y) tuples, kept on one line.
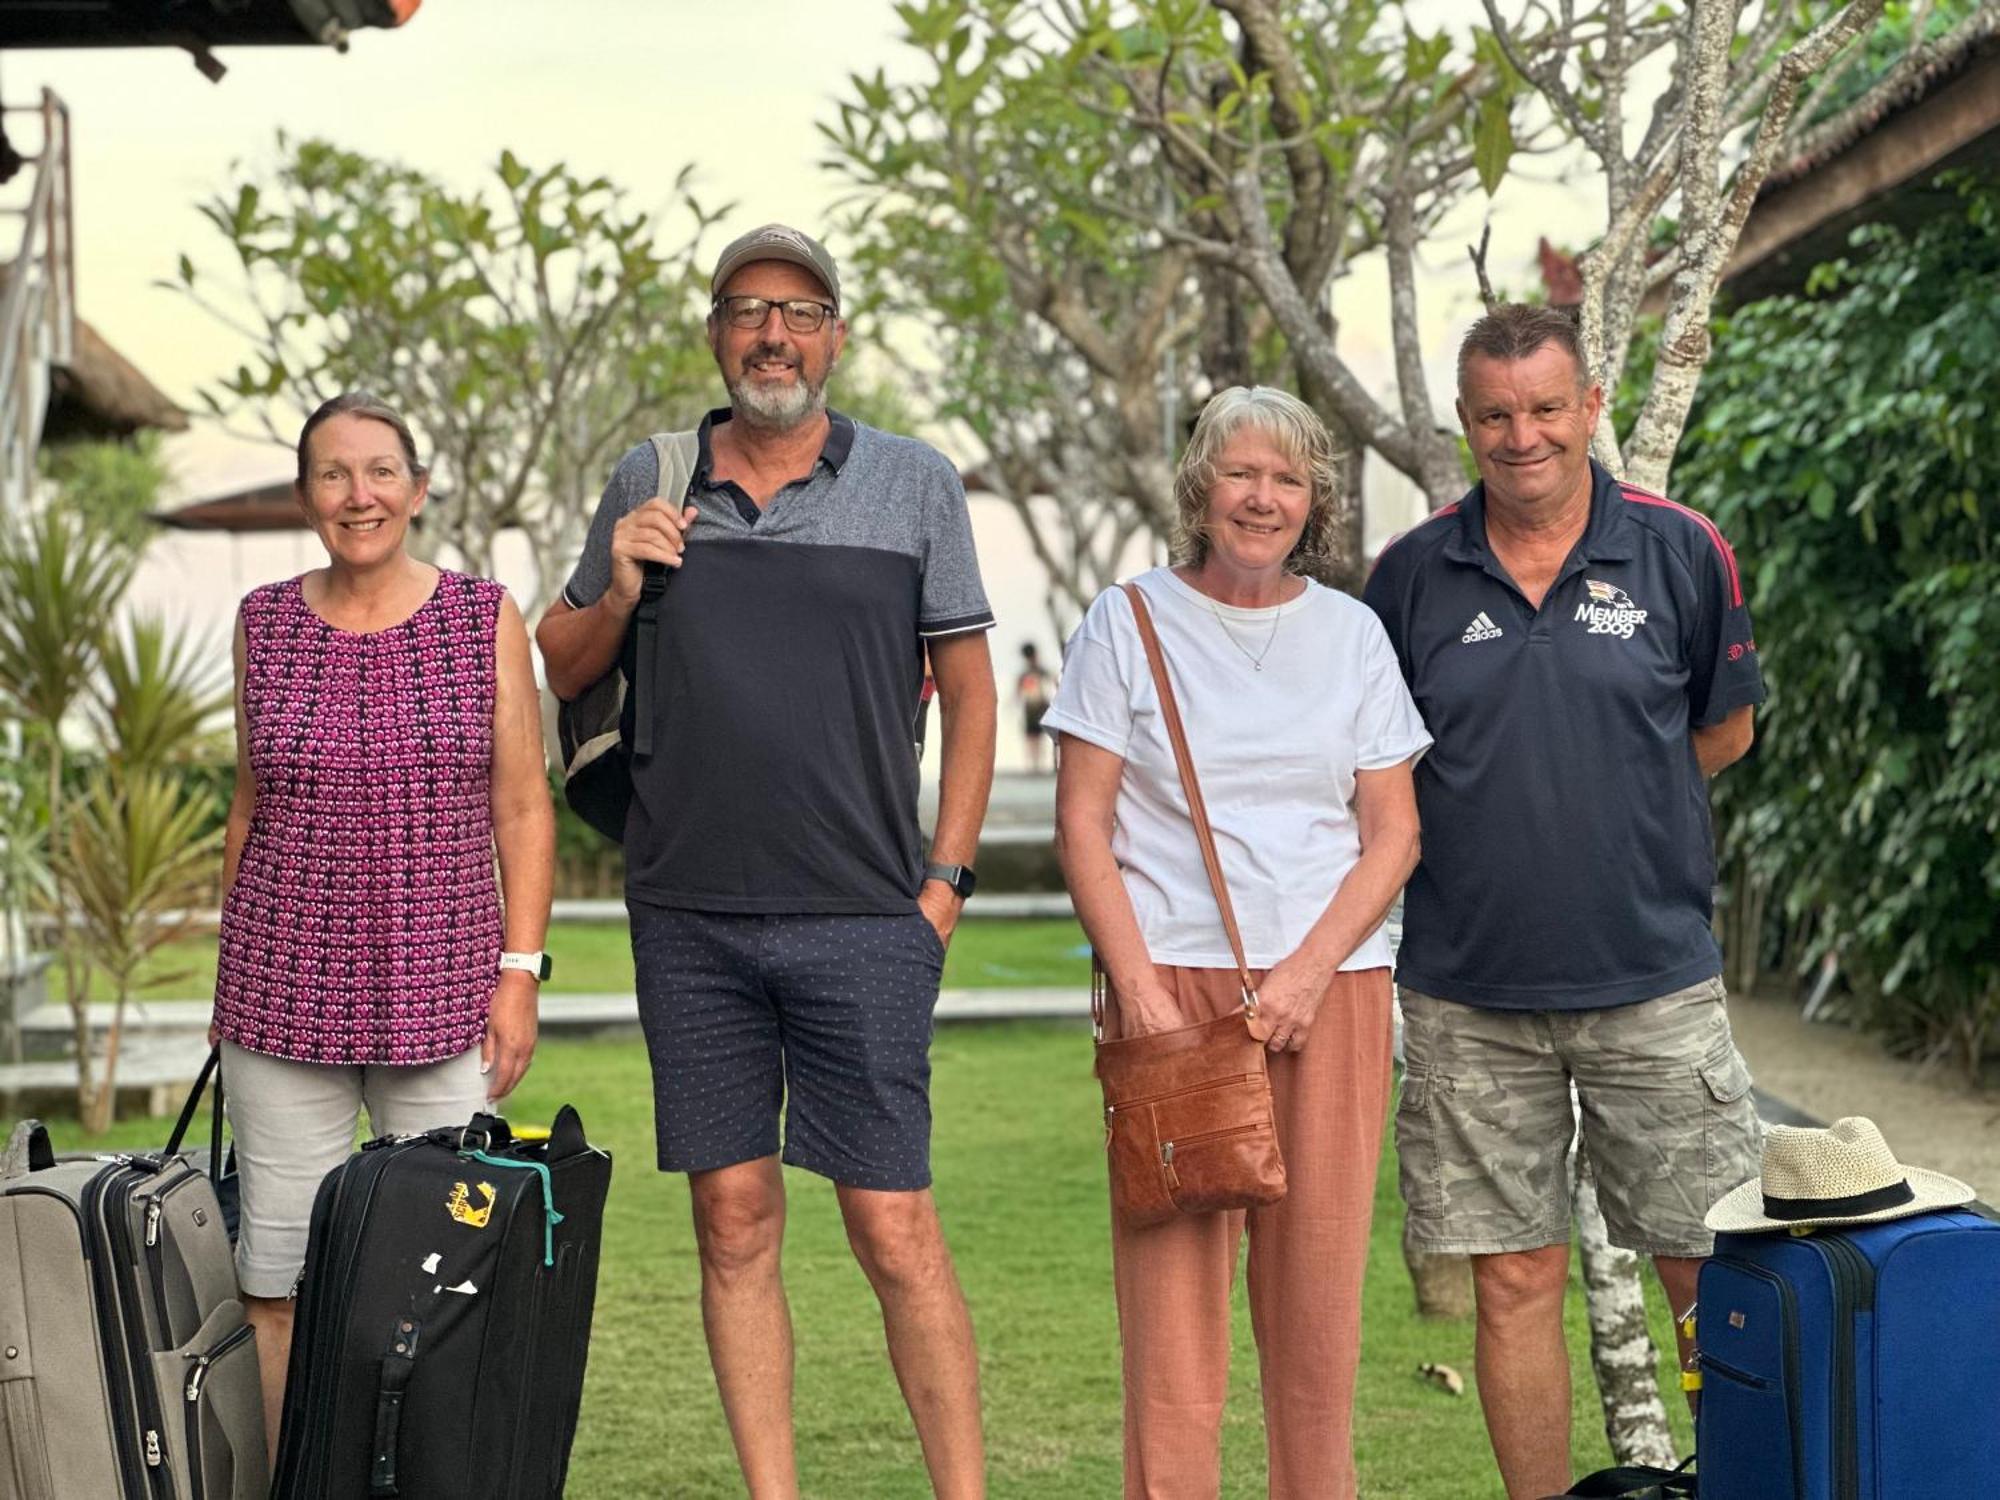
[(676, 452), (211, 1068)]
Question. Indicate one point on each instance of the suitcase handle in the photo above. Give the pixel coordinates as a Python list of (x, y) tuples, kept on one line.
[(566, 1137), (397, 1366), (211, 1068), (483, 1132)]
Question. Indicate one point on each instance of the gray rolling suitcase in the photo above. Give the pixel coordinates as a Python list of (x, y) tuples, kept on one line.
[(127, 1371)]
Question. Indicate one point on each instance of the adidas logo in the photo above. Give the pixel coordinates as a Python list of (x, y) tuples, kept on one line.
[(1482, 628)]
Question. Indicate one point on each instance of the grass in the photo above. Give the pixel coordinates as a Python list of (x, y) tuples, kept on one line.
[(1020, 1186), (595, 958)]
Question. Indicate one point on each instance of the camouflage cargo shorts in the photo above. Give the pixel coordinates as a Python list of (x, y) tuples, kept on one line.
[(1484, 1125)]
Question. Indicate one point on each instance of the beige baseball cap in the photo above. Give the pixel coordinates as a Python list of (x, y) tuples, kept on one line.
[(777, 242)]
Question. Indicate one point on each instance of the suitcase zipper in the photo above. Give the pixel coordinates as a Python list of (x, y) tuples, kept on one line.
[(1853, 1293), (139, 1454), (196, 1378), (326, 1319), (156, 1257), (1731, 1373), (124, 1441)]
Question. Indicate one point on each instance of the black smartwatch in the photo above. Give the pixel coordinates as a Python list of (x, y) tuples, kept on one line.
[(959, 877)]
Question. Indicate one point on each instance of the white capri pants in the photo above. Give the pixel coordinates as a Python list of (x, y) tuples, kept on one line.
[(294, 1123)]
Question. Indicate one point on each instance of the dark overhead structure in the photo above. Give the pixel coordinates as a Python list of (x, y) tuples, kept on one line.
[(197, 25), (272, 506)]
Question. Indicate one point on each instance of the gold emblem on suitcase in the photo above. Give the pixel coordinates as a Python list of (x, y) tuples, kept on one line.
[(459, 1204)]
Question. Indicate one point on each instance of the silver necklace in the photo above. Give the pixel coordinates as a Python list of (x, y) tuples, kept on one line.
[(1256, 660)]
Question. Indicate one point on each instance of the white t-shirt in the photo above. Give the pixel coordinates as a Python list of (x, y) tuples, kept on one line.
[(1276, 751)]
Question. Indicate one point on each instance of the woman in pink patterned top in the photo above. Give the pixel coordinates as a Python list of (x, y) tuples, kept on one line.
[(388, 741)]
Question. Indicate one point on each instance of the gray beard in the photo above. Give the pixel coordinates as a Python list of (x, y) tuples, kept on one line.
[(776, 408)]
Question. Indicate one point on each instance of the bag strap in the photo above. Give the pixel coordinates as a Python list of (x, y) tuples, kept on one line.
[(676, 453), (1637, 1482), (209, 1069), (1191, 786)]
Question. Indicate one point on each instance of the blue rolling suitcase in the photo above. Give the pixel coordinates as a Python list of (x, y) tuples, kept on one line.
[(1860, 1363)]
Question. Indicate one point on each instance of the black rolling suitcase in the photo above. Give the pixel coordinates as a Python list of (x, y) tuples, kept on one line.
[(444, 1317)]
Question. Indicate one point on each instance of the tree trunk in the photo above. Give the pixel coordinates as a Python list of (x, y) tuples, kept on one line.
[(1622, 1353), (1443, 1283), (104, 1100)]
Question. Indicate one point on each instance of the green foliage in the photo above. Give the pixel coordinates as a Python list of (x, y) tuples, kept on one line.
[(162, 693), (109, 846), (112, 486), (62, 577), (1844, 442), (528, 332), (1882, 48), (134, 863)]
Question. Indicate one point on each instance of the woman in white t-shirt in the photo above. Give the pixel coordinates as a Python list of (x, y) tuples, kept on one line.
[(1304, 737)]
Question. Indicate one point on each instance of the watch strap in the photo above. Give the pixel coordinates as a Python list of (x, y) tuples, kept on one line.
[(959, 877), (538, 963)]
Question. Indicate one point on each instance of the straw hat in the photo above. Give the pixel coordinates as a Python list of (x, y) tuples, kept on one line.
[(1844, 1174)]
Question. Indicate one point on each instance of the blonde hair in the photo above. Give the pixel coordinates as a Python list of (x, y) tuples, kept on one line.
[(1300, 436)]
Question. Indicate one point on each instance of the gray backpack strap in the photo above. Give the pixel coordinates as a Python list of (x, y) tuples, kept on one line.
[(676, 452)]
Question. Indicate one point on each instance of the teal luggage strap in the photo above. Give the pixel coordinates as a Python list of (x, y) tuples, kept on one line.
[(550, 1218)]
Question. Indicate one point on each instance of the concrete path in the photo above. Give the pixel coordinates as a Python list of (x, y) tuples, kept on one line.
[(1929, 1118)]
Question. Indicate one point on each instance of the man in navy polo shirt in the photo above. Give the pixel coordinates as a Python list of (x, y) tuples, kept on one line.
[(787, 934), (1581, 652)]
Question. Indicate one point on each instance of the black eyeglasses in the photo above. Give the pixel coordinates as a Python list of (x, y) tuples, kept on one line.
[(801, 314)]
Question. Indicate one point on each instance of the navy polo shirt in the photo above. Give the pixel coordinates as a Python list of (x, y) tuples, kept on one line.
[(1568, 859)]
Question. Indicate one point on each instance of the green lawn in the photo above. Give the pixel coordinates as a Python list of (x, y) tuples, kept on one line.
[(1021, 1189), (594, 958)]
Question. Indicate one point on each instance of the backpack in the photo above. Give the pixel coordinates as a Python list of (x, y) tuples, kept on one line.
[(611, 721)]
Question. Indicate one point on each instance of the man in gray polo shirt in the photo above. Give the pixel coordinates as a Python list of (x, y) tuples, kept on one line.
[(787, 933)]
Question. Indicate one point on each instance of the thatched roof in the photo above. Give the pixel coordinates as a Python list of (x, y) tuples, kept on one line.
[(101, 394), (1972, 43), (271, 506)]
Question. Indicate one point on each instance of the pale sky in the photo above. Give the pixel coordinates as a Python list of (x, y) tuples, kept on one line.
[(631, 89)]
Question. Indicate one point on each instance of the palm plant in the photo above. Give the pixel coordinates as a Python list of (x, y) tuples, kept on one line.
[(158, 696), (139, 854), (62, 579)]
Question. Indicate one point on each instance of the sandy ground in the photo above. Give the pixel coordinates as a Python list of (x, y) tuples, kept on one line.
[(1929, 1117)]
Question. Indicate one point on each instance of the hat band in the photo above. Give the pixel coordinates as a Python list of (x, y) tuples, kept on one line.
[(1790, 1210)]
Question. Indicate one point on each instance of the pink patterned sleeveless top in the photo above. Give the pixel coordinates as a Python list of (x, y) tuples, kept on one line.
[(364, 922)]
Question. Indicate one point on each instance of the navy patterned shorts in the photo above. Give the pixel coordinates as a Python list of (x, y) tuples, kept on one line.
[(826, 1017)]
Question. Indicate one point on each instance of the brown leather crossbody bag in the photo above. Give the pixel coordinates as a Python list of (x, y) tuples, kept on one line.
[(1188, 1126)]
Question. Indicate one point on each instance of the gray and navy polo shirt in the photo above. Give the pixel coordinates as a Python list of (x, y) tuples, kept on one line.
[(791, 657), (1568, 859)]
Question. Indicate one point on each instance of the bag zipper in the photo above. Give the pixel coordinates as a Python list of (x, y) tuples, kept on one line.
[(123, 1275), (192, 1394), (156, 1255), (125, 1441), (1731, 1373), (1167, 1147), (1199, 1088), (1853, 1294), (326, 1316)]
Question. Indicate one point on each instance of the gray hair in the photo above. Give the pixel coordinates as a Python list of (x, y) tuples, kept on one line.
[(359, 404), (1515, 330), (1299, 434)]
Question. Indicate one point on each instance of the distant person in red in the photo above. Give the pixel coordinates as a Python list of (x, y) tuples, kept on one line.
[(1034, 687)]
